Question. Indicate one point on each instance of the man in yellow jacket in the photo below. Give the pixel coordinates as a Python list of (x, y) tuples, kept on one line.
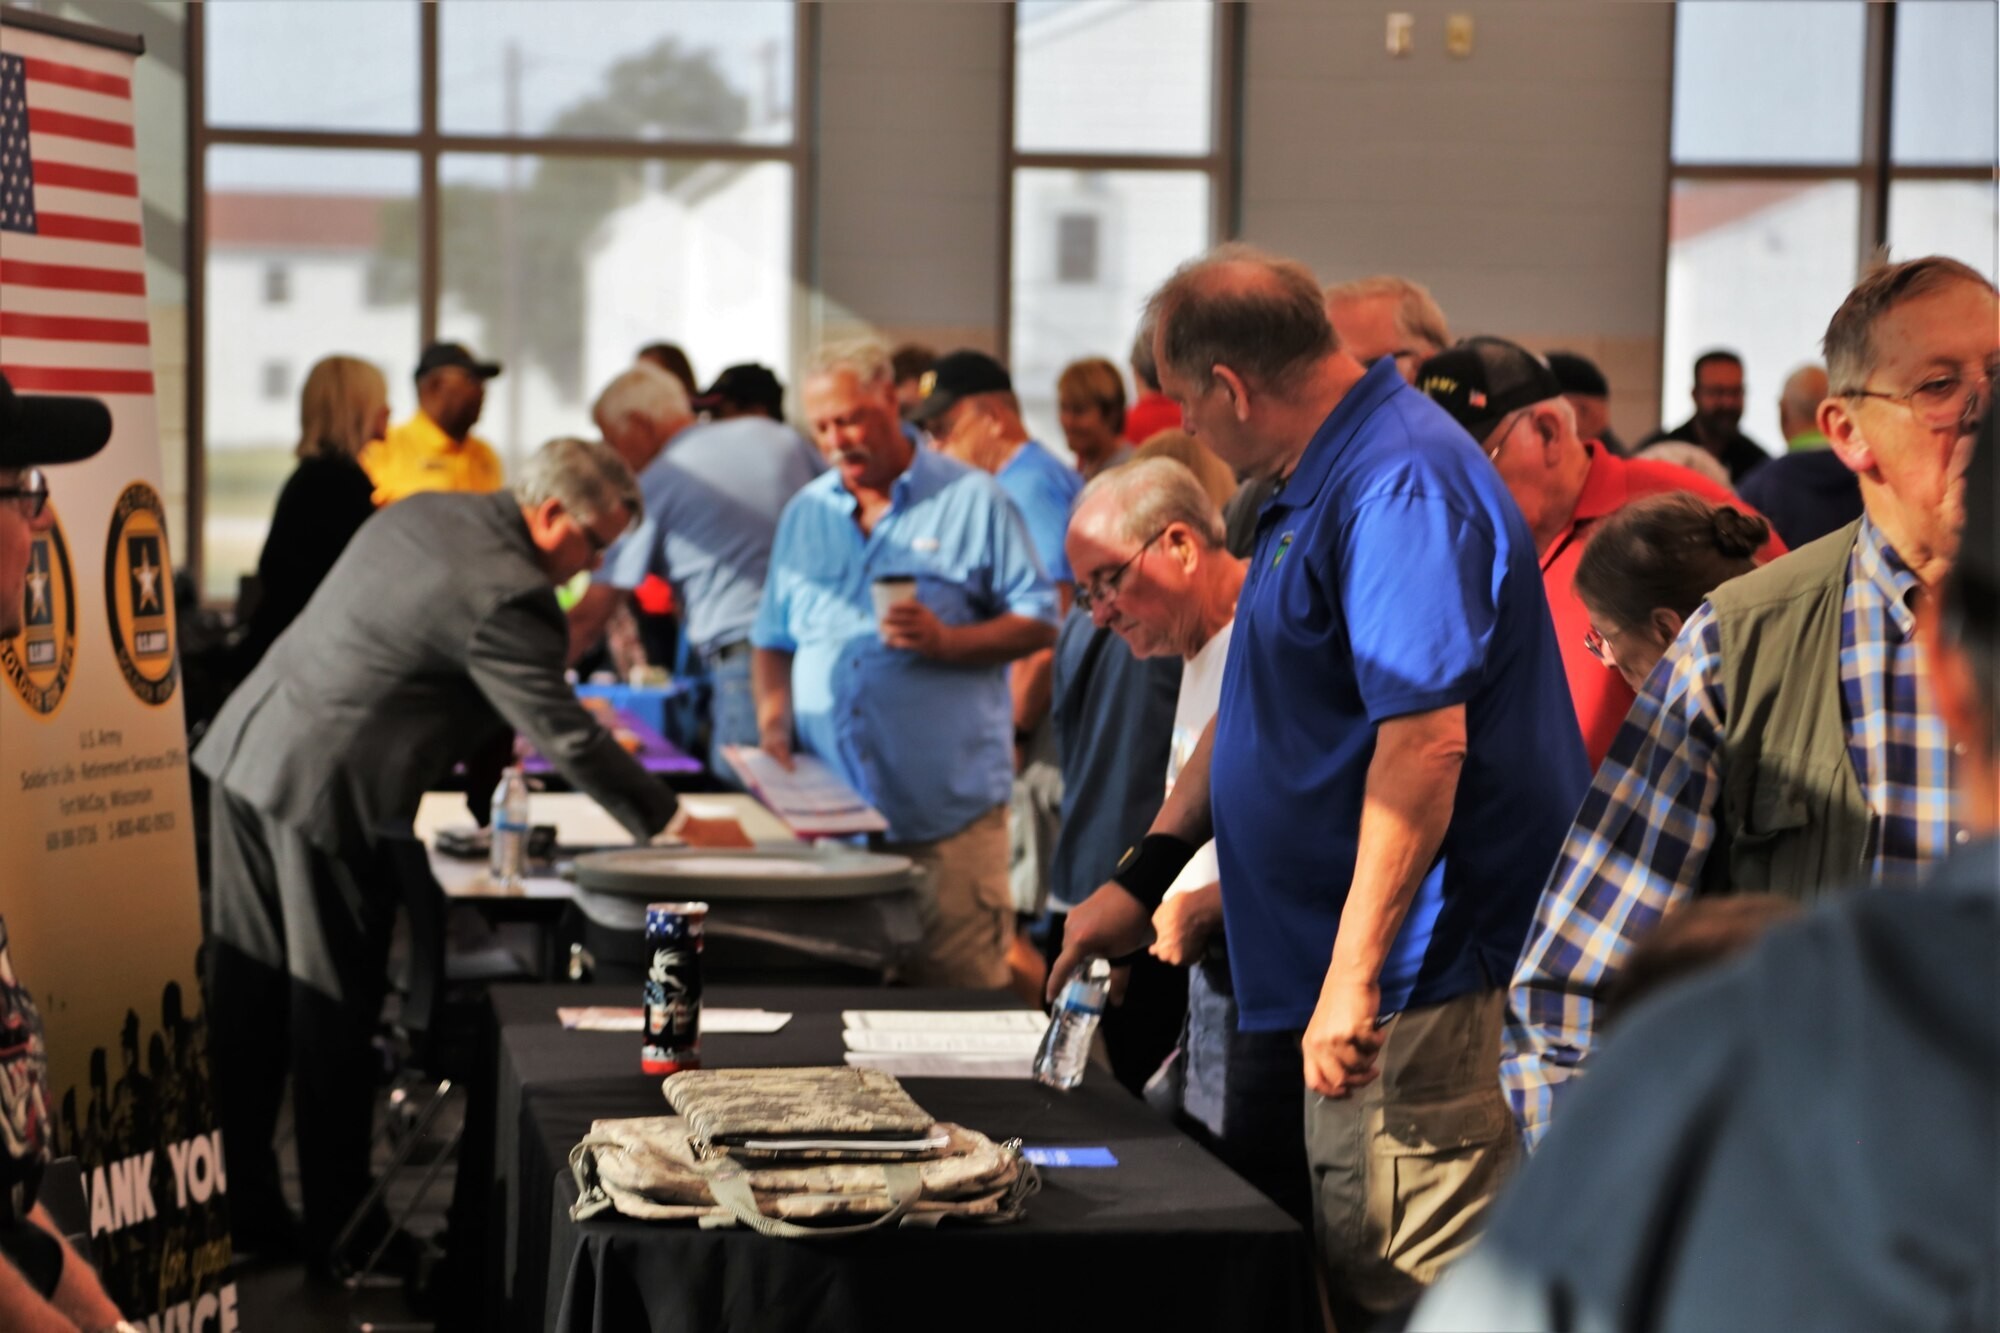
[(435, 450)]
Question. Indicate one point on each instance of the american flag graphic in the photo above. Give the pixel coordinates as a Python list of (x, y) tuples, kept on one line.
[(72, 261)]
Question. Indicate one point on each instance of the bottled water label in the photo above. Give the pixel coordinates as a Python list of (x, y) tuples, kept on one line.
[(1066, 1045)]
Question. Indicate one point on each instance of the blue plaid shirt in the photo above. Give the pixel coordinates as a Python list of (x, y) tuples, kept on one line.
[(1639, 841)]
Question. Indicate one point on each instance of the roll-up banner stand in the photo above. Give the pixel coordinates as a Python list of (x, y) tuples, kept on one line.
[(97, 860)]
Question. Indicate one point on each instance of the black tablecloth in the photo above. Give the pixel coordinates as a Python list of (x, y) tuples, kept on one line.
[(1168, 1238)]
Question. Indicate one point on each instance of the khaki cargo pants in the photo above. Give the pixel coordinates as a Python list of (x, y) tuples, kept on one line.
[(1404, 1170), (966, 905)]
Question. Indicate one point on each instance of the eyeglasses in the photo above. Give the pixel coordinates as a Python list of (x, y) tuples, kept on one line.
[(31, 496), (1506, 428), (1594, 644), (598, 545), (1100, 591), (1949, 400)]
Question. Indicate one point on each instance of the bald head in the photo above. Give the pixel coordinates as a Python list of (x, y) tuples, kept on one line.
[(1798, 405), (1257, 313), (1135, 501), (1146, 545)]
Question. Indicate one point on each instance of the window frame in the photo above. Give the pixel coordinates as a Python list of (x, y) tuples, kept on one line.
[(1222, 163), (430, 142), (1875, 172)]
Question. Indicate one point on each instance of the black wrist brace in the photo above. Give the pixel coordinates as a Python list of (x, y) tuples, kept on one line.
[(1148, 870)]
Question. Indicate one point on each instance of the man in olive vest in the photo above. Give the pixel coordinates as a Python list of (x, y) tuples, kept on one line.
[(1787, 743), (1802, 1139)]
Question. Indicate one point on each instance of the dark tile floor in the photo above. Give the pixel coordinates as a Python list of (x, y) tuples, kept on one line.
[(279, 1297)]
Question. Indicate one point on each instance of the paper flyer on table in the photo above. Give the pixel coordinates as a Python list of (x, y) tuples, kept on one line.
[(944, 1020), (967, 1043), (810, 797), (944, 1064), (616, 1018)]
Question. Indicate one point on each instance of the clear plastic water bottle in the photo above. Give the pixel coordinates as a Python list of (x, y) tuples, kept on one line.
[(1066, 1045), (510, 829)]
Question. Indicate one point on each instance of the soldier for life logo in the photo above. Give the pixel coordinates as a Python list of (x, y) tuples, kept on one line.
[(139, 594), (40, 663)]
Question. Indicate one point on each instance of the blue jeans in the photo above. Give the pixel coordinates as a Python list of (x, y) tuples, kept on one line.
[(1243, 1088), (732, 711)]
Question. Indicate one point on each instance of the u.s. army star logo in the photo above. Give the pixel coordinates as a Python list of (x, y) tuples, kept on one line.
[(139, 594), (41, 661)]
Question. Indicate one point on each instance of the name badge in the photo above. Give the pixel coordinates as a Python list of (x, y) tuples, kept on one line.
[(928, 545)]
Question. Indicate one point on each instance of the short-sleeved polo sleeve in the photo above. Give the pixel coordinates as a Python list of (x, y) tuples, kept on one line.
[(1019, 585), (1419, 589), (1045, 507)]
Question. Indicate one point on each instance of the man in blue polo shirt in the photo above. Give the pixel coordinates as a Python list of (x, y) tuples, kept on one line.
[(1390, 773), (913, 712)]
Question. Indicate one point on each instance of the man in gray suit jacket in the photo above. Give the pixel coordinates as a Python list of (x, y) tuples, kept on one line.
[(438, 623)]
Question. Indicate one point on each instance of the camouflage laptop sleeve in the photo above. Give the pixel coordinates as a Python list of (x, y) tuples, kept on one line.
[(651, 1169), (831, 1114)]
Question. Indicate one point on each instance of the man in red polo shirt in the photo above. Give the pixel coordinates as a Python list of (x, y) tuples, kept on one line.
[(1511, 404)]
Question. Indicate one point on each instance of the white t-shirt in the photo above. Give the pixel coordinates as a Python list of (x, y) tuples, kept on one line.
[(1201, 695)]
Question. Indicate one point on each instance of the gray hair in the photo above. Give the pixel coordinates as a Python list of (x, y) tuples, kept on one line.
[(587, 477), (866, 358), (1690, 456), (1850, 337), (643, 392), (1261, 315), (1417, 311), (1150, 494)]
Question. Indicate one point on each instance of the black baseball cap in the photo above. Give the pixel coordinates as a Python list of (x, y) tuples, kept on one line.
[(956, 375), (44, 429), (748, 385), (1481, 380), (440, 355), (1579, 375)]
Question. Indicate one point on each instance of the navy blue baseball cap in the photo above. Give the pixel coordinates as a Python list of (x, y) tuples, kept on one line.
[(955, 376)]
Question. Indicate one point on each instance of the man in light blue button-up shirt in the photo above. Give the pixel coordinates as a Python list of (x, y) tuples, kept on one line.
[(913, 712)]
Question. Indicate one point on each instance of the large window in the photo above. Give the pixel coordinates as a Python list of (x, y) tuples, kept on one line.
[(1118, 174), (1792, 169), (554, 185)]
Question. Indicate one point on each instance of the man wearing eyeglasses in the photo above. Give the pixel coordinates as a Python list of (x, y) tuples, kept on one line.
[(1512, 405), (1788, 737), (438, 624), (43, 1282), (1802, 1139), (1380, 777), (1718, 407), (1147, 546)]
